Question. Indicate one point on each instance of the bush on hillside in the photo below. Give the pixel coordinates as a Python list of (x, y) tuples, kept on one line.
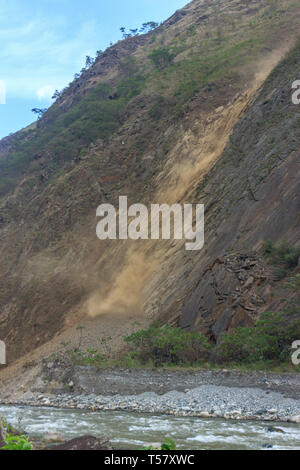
[(270, 339), (169, 345), (161, 57)]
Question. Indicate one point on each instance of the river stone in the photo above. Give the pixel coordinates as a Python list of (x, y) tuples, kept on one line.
[(54, 436), (85, 443), (273, 429), (204, 414), (294, 419)]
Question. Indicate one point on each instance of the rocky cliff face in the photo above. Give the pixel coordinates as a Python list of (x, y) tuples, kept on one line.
[(206, 124), (253, 194)]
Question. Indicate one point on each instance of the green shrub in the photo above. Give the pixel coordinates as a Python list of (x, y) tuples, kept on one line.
[(284, 258), (191, 31), (16, 443), (14, 440), (86, 358), (161, 57), (130, 87), (270, 339), (169, 345)]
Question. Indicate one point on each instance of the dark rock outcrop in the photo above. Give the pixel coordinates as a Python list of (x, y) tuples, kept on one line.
[(84, 443)]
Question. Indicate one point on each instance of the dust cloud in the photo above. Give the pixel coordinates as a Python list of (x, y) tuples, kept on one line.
[(270, 61), (198, 158), (124, 294), (177, 181)]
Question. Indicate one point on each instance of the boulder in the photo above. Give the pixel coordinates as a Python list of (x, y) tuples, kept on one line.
[(54, 436), (294, 419), (84, 443)]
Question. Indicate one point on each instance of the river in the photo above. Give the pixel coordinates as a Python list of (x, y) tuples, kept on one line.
[(133, 431)]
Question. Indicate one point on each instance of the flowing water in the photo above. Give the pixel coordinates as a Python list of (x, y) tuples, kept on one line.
[(133, 431)]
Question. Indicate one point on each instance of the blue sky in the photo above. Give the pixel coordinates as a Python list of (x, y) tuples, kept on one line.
[(43, 43)]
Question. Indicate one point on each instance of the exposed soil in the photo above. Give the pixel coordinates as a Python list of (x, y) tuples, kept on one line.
[(19, 377), (134, 381)]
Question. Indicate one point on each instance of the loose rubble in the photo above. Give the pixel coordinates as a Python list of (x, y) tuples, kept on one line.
[(205, 401)]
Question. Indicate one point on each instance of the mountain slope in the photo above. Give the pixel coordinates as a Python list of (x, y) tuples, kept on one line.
[(185, 113)]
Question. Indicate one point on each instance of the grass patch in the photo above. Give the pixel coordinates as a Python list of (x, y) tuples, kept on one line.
[(181, 80), (90, 357)]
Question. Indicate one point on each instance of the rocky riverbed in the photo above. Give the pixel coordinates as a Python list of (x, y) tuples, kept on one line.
[(218, 394), (204, 401)]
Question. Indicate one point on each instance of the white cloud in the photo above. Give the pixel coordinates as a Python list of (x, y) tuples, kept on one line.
[(37, 58), (45, 92)]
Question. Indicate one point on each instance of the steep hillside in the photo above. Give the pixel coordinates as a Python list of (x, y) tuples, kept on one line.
[(185, 113)]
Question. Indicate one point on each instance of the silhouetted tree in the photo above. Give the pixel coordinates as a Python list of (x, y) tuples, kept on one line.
[(56, 95), (40, 112), (149, 26), (88, 61)]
